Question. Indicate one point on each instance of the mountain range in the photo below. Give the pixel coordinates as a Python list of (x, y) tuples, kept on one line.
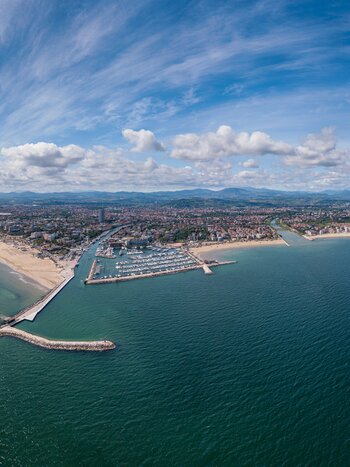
[(250, 195)]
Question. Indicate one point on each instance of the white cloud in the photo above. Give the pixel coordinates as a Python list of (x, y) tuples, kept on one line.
[(225, 142), (47, 166), (150, 164), (142, 140), (246, 174), (41, 155), (317, 149), (250, 164)]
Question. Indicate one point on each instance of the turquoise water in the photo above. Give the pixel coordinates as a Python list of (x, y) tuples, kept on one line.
[(16, 291), (249, 366)]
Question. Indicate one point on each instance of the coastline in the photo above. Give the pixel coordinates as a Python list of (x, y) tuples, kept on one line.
[(43, 272), (328, 235), (212, 247)]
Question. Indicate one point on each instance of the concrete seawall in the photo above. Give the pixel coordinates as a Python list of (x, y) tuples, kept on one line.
[(139, 276), (29, 313), (51, 344), (109, 280), (207, 269), (92, 271)]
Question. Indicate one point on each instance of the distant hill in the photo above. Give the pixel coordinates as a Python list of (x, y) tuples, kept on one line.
[(248, 195)]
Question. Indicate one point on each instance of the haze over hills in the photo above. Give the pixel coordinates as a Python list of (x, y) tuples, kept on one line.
[(227, 194)]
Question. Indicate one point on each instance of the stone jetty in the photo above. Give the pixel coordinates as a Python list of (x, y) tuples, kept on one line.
[(91, 346)]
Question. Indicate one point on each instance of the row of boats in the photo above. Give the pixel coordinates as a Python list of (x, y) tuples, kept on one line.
[(154, 267), (160, 261)]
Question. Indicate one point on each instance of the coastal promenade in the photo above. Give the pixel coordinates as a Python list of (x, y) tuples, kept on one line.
[(51, 344)]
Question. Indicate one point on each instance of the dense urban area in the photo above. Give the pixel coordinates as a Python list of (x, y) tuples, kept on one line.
[(62, 231)]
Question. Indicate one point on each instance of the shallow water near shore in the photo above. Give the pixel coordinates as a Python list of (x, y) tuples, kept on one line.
[(248, 366), (16, 291)]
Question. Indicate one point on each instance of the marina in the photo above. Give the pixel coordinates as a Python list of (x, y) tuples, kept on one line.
[(151, 261), (108, 265)]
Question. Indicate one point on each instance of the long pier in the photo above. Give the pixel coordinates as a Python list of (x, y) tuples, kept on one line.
[(108, 280), (92, 271), (52, 344), (30, 312)]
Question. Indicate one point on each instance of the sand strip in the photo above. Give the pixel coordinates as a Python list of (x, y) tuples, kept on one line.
[(212, 247), (43, 271), (328, 235)]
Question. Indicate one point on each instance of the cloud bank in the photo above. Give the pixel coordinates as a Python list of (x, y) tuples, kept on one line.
[(225, 142), (213, 160)]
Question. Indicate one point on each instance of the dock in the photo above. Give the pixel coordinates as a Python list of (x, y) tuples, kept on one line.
[(51, 344), (92, 270), (207, 269), (29, 313), (201, 265)]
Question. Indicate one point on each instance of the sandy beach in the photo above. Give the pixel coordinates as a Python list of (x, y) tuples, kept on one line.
[(328, 235), (212, 247), (42, 271)]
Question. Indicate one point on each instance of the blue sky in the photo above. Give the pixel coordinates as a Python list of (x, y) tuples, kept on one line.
[(145, 95)]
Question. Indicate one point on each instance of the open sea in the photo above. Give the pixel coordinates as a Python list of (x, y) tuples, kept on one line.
[(249, 366)]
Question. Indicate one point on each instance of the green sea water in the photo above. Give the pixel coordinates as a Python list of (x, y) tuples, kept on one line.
[(16, 291), (249, 366)]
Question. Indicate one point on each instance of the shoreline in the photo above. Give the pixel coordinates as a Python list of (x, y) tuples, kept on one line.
[(328, 235), (53, 277), (212, 247), (42, 272)]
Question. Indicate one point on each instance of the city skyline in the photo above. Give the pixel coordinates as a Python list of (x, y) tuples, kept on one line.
[(137, 96)]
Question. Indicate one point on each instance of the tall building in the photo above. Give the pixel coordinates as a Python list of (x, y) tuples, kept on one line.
[(101, 215)]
